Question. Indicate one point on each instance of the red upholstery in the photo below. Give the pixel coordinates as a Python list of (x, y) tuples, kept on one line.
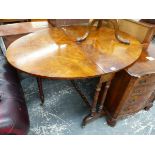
[(13, 111)]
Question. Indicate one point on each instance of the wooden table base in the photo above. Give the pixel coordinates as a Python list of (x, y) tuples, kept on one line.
[(96, 110), (89, 118)]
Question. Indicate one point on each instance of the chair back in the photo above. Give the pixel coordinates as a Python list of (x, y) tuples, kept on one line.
[(141, 31)]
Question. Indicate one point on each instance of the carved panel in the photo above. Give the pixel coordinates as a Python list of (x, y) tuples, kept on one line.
[(140, 94)]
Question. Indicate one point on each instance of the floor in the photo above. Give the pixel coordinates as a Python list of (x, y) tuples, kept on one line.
[(64, 110)]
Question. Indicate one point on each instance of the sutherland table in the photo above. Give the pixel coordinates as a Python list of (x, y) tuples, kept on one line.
[(53, 53)]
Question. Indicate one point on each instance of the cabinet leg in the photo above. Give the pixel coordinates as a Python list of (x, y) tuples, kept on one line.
[(148, 107), (111, 122), (41, 93)]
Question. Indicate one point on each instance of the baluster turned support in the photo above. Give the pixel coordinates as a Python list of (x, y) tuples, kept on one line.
[(97, 110), (80, 93), (93, 113), (104, 96)]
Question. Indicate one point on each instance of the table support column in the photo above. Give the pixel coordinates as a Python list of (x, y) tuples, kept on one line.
[(94, 113), (97, 110)]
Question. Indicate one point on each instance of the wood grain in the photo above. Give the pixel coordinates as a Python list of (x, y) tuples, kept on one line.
[(52, 53)]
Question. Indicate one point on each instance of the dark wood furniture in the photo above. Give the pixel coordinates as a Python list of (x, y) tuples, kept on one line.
[(9, 21), (53, 53), (150, 21), (133, 89)]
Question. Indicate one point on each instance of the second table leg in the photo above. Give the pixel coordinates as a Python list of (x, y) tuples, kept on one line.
[(41, 93)]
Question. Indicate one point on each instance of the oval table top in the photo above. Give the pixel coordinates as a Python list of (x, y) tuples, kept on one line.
[(145, 64), (53, 53)]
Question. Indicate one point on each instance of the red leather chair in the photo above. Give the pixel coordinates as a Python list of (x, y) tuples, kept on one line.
[(14, 117)]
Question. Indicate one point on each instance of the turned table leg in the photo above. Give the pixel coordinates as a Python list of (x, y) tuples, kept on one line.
[(93, 112), (104, 96), (41, 93), (97, 109), (80, 93)]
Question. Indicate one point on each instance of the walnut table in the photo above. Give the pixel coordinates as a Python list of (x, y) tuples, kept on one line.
[(53, 53)]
